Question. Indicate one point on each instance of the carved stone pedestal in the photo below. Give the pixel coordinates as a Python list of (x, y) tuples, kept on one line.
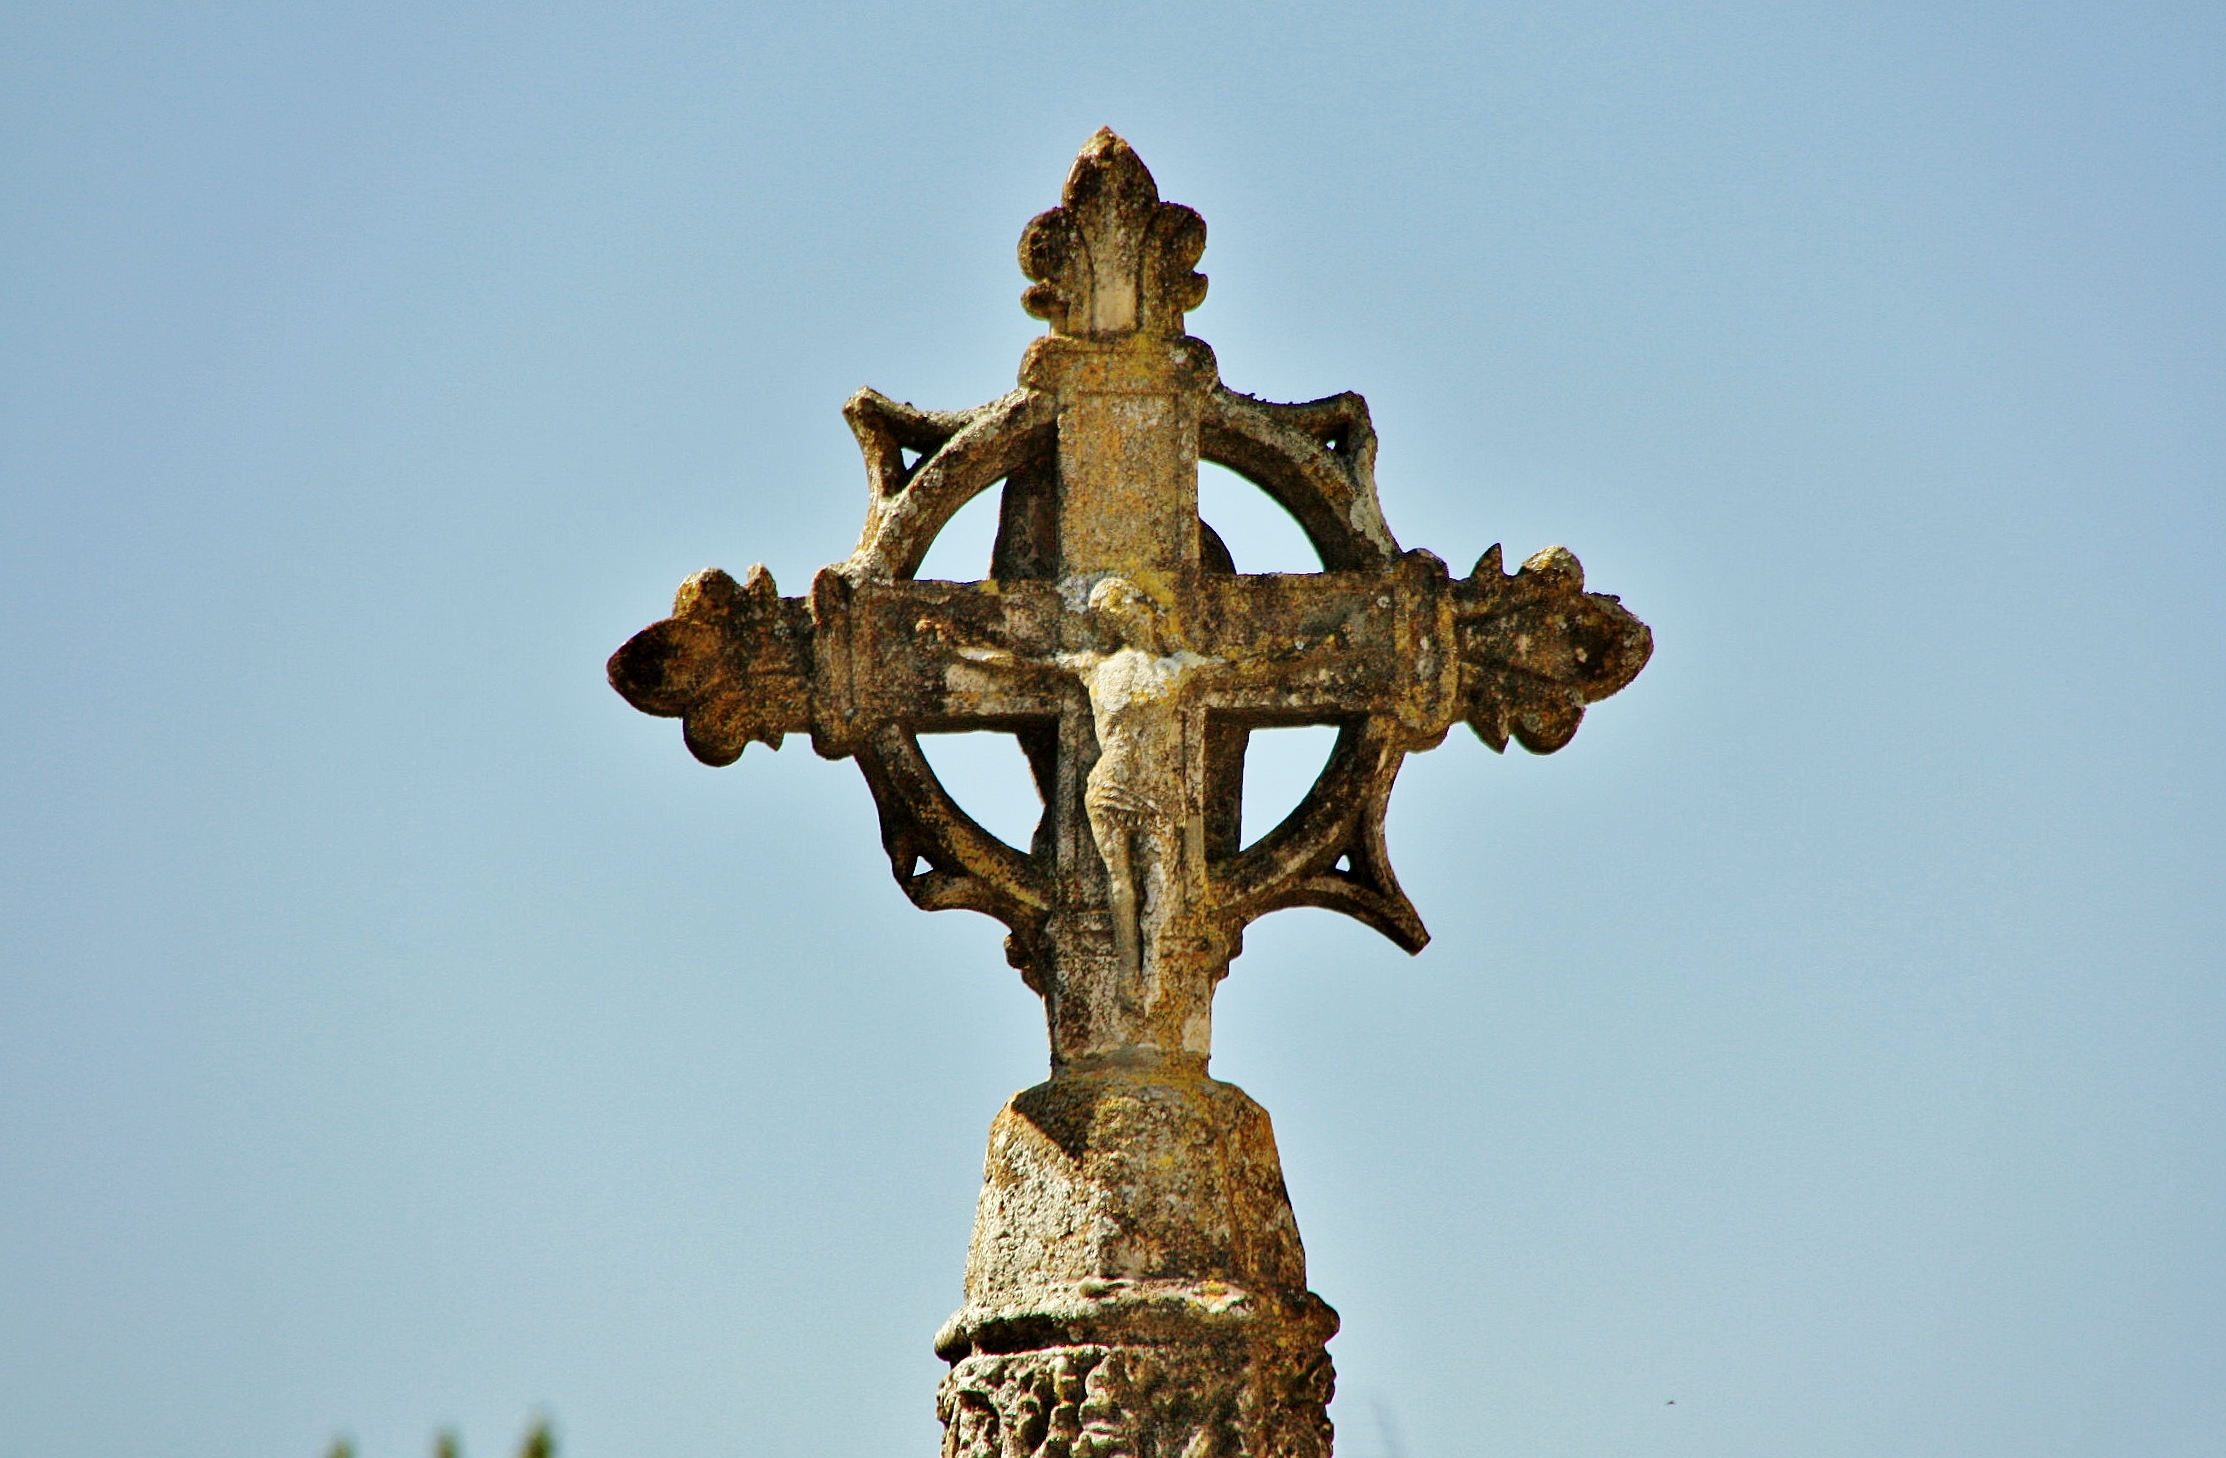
[(1136, 1285)]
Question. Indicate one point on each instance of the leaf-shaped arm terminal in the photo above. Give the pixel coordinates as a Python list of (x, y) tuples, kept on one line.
[(1536, 648), (733, 663)]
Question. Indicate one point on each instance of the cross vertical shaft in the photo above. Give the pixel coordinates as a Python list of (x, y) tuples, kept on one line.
[(1114, 271)]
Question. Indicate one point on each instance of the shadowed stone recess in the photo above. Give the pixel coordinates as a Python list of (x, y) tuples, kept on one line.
[(1136, 1287)]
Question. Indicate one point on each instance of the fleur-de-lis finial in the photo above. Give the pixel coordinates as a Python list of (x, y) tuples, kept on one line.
[(732, 663), (1112, 259)]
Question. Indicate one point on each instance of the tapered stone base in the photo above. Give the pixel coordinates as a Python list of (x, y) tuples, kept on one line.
[(1136, 1287)]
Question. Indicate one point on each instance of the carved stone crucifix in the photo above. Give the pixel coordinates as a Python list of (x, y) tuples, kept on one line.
[(1136, 1284)]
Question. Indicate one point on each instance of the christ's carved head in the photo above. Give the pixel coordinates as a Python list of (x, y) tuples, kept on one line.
[(1135, 618)]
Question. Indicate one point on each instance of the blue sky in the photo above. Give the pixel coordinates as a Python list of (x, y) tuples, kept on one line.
[(396, 1030)]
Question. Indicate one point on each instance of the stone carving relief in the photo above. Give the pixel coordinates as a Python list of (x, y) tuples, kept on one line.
[(1135, 1402)]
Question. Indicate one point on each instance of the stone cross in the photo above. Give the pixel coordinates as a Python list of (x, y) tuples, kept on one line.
[(1136, 1285)]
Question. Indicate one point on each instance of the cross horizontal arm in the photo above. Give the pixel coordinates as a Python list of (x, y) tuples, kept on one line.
[(738, 662), (1515, 655), (1329, 647)]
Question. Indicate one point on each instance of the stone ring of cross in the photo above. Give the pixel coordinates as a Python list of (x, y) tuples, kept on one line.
[(1115, 640)]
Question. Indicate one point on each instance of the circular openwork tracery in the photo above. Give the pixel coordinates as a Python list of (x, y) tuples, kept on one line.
[(1313, 459)]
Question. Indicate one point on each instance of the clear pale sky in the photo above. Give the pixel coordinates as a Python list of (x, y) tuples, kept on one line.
[(1821, 1056)]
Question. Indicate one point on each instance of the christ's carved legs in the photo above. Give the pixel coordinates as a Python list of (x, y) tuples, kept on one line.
[(1142, 850), (1113, 827)]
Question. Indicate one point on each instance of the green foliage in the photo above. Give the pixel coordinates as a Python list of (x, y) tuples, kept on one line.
[(540, 1442)]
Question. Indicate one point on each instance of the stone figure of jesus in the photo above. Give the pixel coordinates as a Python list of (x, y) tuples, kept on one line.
[(1146, 829)]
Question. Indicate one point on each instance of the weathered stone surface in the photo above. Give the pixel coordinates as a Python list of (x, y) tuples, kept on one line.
[(1196, 1400), (1114, 1194), (1136, 1284)]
